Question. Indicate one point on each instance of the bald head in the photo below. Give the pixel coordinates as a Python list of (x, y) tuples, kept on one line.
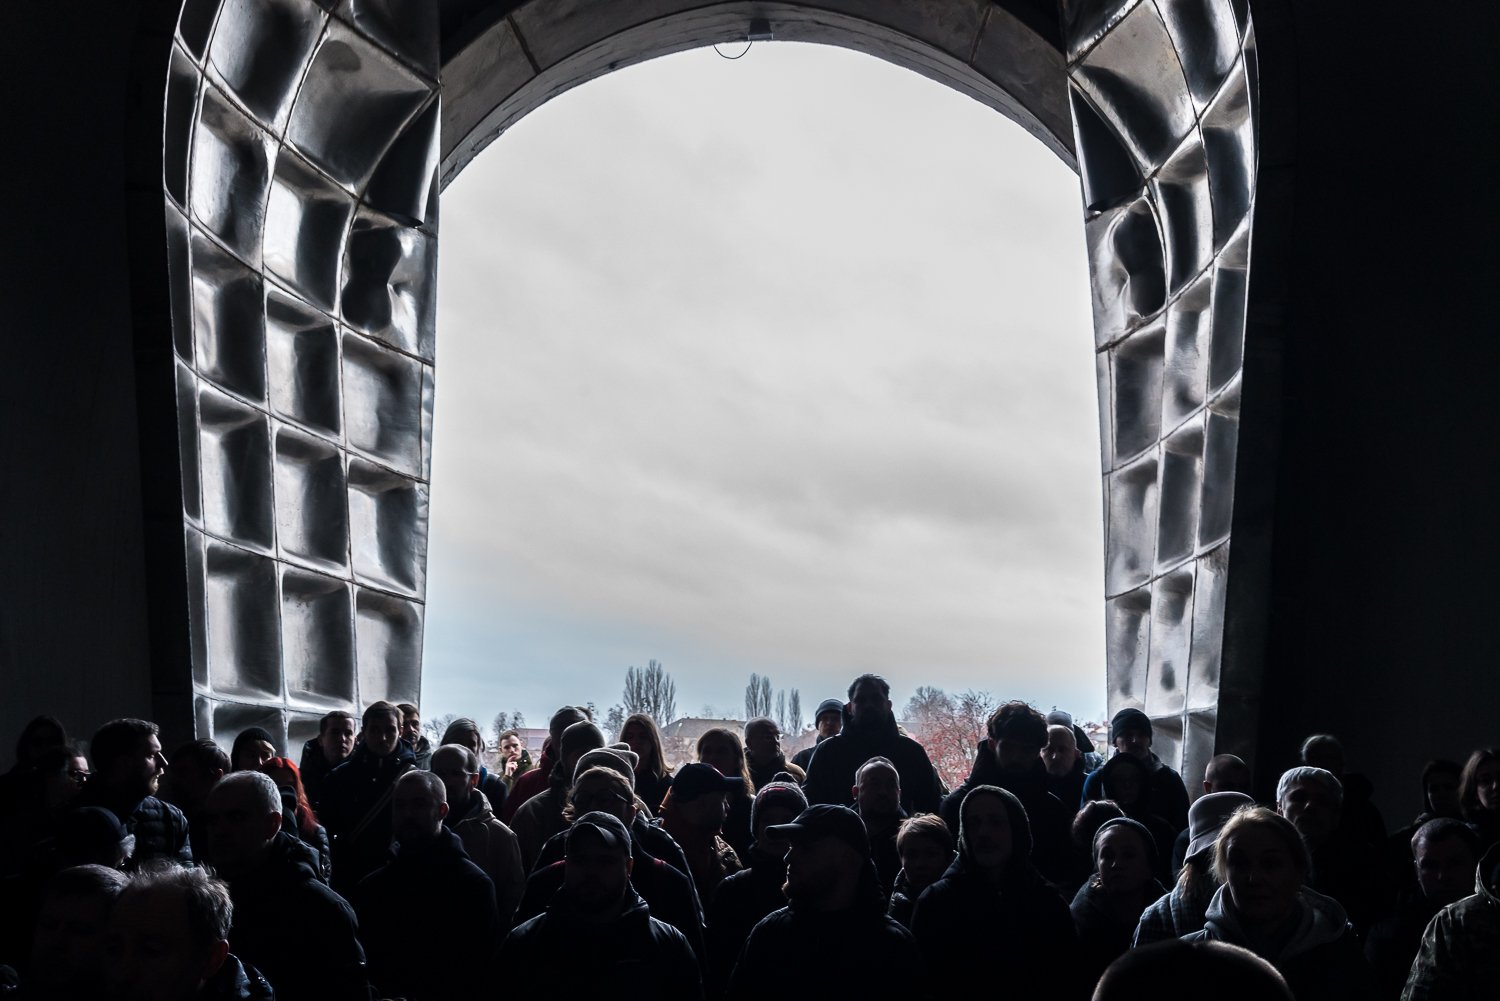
[(1227, 773), (420, 803)]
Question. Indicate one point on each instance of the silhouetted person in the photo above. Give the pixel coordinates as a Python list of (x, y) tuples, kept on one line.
[(356, 803), (325, 752), (540, 817), (537, 779), (191, 773), (1224, 773), (68, 958), (652, 776), (829, 722), (870, 731), (1108, 906), (1460, 953), (1479, 795), (1063, 762), (1130, 733), (1445, 857), (763, 753), (489, 844), (1346, 869), (877, 800), (412, 735), (1359, 820), (252, 748), (128, 765), (926, 848), (1192, 969), (466, 733), (693, 814)]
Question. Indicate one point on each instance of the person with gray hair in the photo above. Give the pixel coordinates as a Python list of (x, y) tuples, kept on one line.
[(428, 871), (287, 923), (169, 941), (1346, 869), (489, 844)]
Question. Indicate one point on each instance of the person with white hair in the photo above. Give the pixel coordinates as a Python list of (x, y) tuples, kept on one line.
[(1345, 868)]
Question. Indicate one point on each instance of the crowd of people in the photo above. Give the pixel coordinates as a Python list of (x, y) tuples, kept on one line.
[(380, 866)]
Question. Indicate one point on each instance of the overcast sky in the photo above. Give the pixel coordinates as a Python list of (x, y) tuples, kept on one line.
[(780, 365)]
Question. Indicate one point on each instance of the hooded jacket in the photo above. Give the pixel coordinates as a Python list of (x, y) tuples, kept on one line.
[(1460, 953), (1168, 796), (1050, 820), (295, 930), (830, 776), (1321, 959), (494, 848), (1021, 925), (351, 793), (631, 951), (436, 879)]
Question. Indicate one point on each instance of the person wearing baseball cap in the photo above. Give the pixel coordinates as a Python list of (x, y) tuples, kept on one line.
[(835, 913), (829, 720), (1130, 733), (597, 932), (693, 813)]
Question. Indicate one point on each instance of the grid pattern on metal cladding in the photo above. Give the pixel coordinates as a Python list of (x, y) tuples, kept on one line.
[(303, 144), (300, 189), (1163, 99)]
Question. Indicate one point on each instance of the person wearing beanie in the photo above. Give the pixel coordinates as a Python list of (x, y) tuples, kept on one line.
[(870, 731), (1090, 758), (251, 749), (1183, 911), (992, 907), (752, 893), (540, 817), (1108, 906), (829, 721), (834, 914), (597, 936), (605, 786), (1130, 733)]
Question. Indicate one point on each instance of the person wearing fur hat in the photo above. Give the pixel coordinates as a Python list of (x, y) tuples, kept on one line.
[(1108, 906), (829, 722), (1184, 910), (992, 903), (1130, 733), (835, 914)]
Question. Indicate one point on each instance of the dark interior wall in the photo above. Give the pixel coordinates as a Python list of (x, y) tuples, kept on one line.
[(1382, 611), (73, 633)]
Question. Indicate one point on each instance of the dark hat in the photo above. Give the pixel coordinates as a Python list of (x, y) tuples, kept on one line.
[(774, 794), (1128, 719), (1059, 718), (826, 821), (619, 758), (1134, 825), (604, 827), (828, 706), (1208, 815), (90, 832), (696, 779)]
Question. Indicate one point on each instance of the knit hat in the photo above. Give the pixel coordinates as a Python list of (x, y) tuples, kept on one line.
[(1207, 817), (618, 757), (1059, 718), (774, 794), (1128, 719), (827, 706), (696, 779), (826, 821), (604, 827)]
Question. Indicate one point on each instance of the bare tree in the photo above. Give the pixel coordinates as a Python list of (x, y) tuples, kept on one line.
[(614, 721), (781, 710), (758, 697), (794, 713), (435, 726), (651, 691), (503, 721)]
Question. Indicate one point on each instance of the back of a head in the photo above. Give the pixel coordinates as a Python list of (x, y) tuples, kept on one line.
[(562, 719), (1204, 969), (209, 910), (94, 882)]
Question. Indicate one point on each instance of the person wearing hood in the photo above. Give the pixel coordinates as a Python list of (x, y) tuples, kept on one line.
[(1184, 910), (992, 905), (300, 934), (1264, 906), (489, 844), (926, 848), (541, 816), (752, 893), (835, 913), (1108, 907), (1010, 757), (466, 733), (537, 780), (325, 752), (428, 873), (1459, 958), (1125, 781), (870, 731), (1130, 732), (763, 754), (1478, 795), (829, 722), (598, 936), (356, 803), (1446, 856), (253, 747), (128, 766)]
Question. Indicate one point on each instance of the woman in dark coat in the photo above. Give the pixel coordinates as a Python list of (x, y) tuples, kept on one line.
[(1108, 906)]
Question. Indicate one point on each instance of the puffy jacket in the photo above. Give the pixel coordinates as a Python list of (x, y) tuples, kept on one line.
[(830, 777), (1321, 961), (1460, 952), (741, 902), (236, 982), (1169, 798), (160, 829), (633, 952), (295, 930), (493, 847), (1102, 936), (1049, 819), (354, 792)]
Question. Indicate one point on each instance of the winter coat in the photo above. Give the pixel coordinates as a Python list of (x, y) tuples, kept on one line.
[(1349, 870), (1102, 936), (1049, 818), (449, 959), (883, 849), (760, 774), (495, 790), (537, 820), (867, 952), (803, 758), (1168, 796), (736, 829), (903, 900), (830, 777), (314, 768), (738, 906), (1392, 944), (1321, 961), (1021, 927), (1172, 916), (295, 930), (1460, 952), (529, 784), (494, 848), (356, 809), (160, 829), (633, 953), (236, 982), (421, 749), (652, 789), (1069, 788)]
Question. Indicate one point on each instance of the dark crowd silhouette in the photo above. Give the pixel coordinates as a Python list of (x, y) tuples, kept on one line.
[(380, 866)]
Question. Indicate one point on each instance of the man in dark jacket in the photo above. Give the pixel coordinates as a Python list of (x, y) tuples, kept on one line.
[(835, 914), (128, 765), (428, 873), (763, 753), (877, 800), (1130, 733), (287, 923), (325, 752), (539, 778), (192, 772), (1446, 853), (412, 735), (597, 934), (870, 731), (992, 906), (356, 807), (1063, 762), (1459, 957), (829, 721)]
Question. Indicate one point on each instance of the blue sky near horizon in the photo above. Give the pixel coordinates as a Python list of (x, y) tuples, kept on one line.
[(779, 365)]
